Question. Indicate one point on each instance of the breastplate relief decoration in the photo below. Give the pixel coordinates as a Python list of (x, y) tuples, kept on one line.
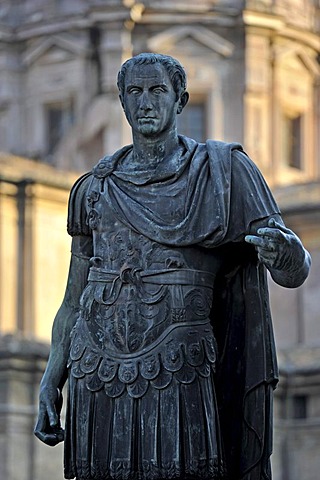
[(144, 316)]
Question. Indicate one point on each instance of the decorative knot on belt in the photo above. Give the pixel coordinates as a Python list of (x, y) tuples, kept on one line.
[(130, 275)]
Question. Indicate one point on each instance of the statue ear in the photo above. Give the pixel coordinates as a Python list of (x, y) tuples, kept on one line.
[(183, 100), (121, 101)]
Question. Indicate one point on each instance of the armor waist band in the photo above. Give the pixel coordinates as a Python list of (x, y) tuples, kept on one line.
[(159, 277)]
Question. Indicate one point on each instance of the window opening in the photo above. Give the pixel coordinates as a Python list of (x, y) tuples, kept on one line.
[(299, 406), (60, 117), (293, 141)]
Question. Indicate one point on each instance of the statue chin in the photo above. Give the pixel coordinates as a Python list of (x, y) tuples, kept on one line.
[(148, 127)]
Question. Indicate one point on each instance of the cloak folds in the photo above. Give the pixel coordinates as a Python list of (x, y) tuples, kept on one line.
[(247, 372), (223, 193)]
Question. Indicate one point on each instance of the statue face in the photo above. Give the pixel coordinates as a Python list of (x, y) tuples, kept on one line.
[(149, 100)]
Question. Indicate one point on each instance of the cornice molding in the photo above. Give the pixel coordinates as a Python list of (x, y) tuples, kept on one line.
[(15, 169), (69, 22), (63, 42), (168, 38), (278, 25), (210, 18)]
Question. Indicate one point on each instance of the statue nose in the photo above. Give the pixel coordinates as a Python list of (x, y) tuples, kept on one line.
[(145, 102)]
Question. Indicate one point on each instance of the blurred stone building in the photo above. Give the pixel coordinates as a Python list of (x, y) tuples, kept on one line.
[(253, 70)]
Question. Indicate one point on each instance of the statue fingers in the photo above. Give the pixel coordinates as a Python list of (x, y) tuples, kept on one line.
[(40, 430), (280, 226), (254, 240), (52, 439), (261, 242), (53, 417), (51, 402), (41, 423), (50, 435), (58, 433), (273, 234)]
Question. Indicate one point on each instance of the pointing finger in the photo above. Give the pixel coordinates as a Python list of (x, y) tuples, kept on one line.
[(261, 243), (254, 240)]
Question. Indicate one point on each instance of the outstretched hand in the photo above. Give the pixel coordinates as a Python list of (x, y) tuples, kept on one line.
[(48, 428), (278, 248)]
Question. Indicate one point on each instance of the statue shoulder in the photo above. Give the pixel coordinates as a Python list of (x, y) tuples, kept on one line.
[(77, 213), (224, 153), (242, 164), (233, 152)]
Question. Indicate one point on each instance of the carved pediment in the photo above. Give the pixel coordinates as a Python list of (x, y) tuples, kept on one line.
[(55, 49), (297, 56), (191, 40)]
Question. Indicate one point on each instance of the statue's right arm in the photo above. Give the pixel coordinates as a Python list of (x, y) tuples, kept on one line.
[(48, 428)]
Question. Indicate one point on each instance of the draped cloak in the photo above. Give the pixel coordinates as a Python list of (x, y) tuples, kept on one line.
[(225, 194)]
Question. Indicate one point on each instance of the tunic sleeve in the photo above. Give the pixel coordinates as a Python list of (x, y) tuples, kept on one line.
[(77, 211)]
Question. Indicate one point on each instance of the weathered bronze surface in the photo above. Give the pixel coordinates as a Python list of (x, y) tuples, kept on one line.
[(164, 333)]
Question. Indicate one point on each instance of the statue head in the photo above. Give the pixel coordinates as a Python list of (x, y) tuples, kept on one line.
[(152, 91), (174, 69)]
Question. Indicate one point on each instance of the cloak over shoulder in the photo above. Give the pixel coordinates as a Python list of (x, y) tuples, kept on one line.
[(224, 193)]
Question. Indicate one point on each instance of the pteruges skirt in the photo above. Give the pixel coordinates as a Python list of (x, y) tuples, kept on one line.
[(152, 419)]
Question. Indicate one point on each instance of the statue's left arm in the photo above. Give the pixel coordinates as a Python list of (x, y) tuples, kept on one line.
[(281, 251)]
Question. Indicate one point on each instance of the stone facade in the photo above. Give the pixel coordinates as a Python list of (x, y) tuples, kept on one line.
[(253, 70), (33, 210)]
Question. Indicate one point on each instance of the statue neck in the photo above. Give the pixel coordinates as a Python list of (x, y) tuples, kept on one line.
[(153, 150)]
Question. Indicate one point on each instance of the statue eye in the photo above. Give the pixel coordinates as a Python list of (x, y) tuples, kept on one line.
[(158, 90), (134, 90)]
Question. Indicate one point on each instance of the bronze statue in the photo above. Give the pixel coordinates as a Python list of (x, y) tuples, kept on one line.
[(164, 333)]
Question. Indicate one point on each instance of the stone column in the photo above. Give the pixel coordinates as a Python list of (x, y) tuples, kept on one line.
[(22, 456)]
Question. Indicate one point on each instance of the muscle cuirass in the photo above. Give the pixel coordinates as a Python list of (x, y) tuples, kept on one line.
[(145, 310)]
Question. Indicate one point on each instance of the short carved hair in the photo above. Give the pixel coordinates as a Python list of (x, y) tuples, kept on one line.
[(174, 69)]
